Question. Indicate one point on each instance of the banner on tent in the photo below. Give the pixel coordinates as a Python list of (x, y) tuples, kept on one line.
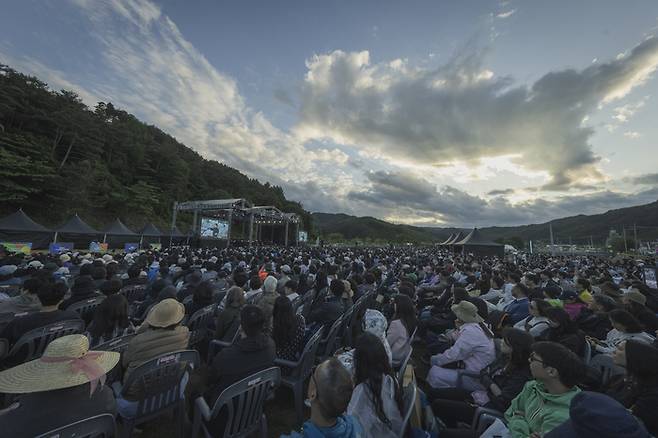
[(130, 247), (60, 247), (24, 247), (98, 247)]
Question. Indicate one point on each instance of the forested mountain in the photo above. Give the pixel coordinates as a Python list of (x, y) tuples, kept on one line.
[(59, 157), (576, 229)]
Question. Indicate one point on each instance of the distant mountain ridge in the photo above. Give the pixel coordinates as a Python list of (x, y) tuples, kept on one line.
[(576, 229)]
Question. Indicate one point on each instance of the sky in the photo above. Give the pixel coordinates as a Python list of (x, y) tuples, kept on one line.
[(431, 113)]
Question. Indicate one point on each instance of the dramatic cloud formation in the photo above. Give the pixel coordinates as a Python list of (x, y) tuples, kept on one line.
[(396, 195), (462, 111)]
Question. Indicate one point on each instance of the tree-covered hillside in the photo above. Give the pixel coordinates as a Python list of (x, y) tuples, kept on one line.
[(59, 157)]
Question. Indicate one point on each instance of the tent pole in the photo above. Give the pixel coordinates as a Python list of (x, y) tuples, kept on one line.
[(55, 238), (173, 223), (285, 239), (230, 226)]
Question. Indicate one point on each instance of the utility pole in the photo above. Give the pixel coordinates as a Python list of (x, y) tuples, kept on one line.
[(550, 230), (635, 235), (625, 244)]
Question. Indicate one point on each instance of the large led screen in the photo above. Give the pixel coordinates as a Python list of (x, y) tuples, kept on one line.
[(214, 228)]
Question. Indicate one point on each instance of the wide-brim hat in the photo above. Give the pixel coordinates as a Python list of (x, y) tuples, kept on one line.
[(166, 313), (67, 362), (466, 311)]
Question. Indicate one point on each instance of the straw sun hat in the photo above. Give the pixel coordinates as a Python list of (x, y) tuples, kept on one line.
[(166, 313), (67, 362)]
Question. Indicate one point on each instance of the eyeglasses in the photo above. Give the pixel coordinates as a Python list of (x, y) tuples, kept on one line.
[(534, 358)]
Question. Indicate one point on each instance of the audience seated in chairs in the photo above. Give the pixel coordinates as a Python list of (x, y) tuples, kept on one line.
[(473, 346), (26, 301), (255, 351), (201, 297), (110, 320), (288, 330), (543, 404), (228, 320), (500, 383), (377, 398), (51, 295), (329, 392), (625, 327), (83, 289), (537, 322), (266, 300), (65, 385), (402, 325), (563, 330)]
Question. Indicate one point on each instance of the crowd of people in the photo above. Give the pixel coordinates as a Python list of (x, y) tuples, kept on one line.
[(552, 345)]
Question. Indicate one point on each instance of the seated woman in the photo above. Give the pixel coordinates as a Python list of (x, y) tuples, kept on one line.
[(502, 381), (56, 393), (228, 320), (537, 322), (377, 398), (473, 346), (625, 327), (201, 297), (594, 320), (288, 330), (402, 326), (564, 331), (110, 320), (638, 389), (374, 322)]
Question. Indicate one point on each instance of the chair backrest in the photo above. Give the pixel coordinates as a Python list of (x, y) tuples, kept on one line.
[(307, 359), (198, 324), (135, 292), (99, 426), (403, 364), (244, 402), (408, 398), (304, 301), (157, 383), (11, 290), (33, 343), (587, 353), (216, 345), (118, 344), (86, 308), (331, 340)]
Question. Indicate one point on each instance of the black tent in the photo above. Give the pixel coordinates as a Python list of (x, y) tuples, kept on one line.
[(176, 237), (150, 234), (77, 231), (478, 244), (19, 227), (117, 234)]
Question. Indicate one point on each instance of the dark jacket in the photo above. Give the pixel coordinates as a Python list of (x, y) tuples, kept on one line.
[(227, 324), (642, 402), (41, 412), (327, 312), (20, 325), (242, 359), (648, 319), (596, 325), (510, 383), (573, 341)]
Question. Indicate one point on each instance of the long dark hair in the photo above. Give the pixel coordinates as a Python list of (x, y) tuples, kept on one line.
[(111, 313), (405, 312), (371, 364), (203, 293), (284, 321), (566, 325), (641, 364), (520, 342)]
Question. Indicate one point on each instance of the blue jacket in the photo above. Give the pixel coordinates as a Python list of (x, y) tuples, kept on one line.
[(346, 427), (517, 310)]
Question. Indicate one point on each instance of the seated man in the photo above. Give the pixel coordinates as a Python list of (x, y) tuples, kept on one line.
[(50, 294), (329, 391), (253, 352), (26, 301), (543, 404), (54, 392), (327, 312)]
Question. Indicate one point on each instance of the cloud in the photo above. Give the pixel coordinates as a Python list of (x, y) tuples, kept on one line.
[(632, 135), (461, 111), (501, 192), (405, 197), (506, 14), (625, 112), (649, 179)]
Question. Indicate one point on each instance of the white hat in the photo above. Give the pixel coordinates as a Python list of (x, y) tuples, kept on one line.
[(107, 258), (286, 269), (35, 264), (65, 258), (62, 271), (212, 259)]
